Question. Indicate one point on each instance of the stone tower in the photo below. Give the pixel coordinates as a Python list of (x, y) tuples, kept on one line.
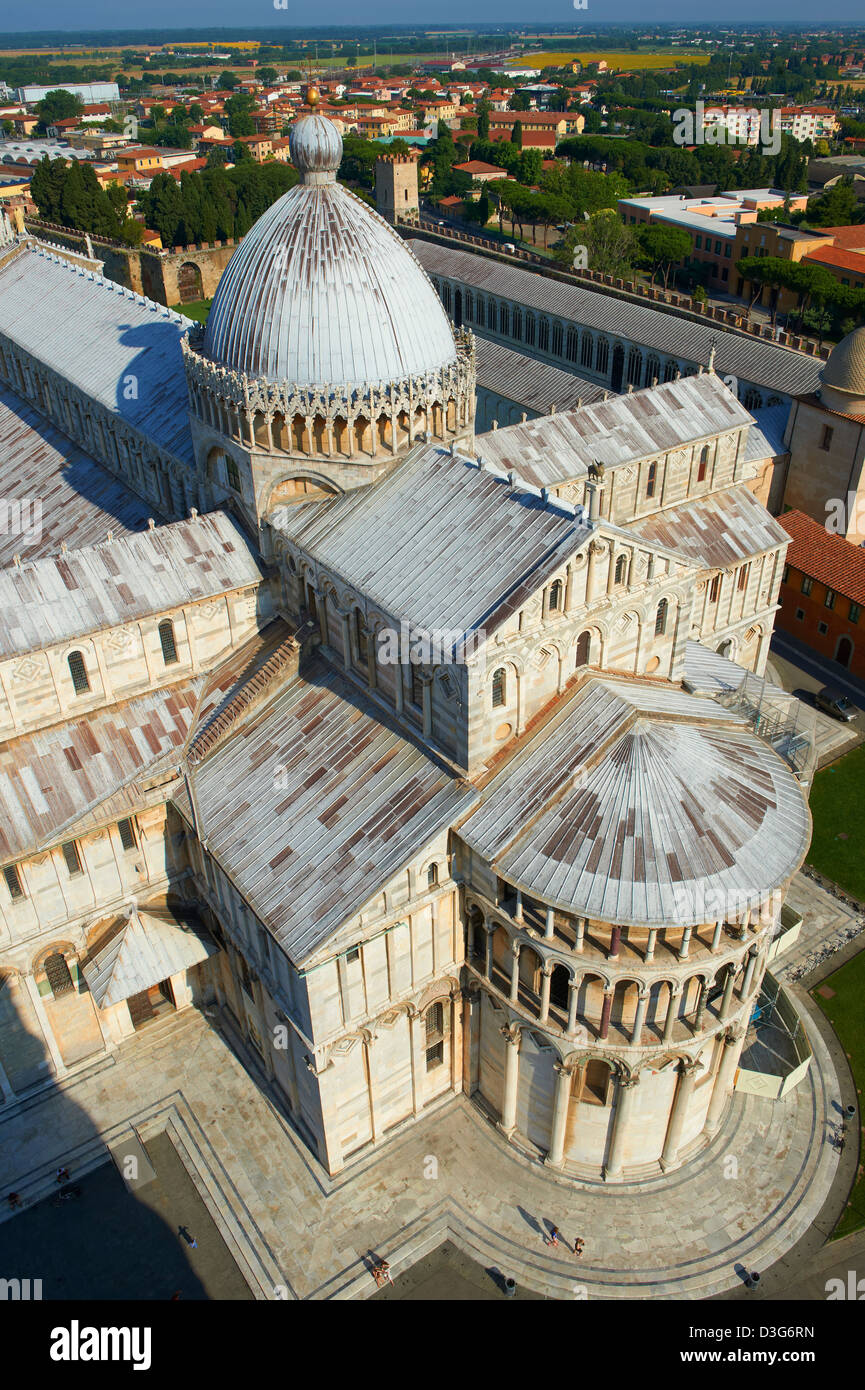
[(396, 188)]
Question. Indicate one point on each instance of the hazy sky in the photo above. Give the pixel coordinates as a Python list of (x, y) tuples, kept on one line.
[(107, 14)]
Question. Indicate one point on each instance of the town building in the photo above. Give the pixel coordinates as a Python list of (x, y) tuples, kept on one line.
[(369, 731), (716, 224), (823, 592)]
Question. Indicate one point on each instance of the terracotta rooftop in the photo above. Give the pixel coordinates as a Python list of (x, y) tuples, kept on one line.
[(838, 257), (830, 559)]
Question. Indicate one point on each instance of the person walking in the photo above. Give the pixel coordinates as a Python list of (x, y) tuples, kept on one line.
[(553, 1236), (578, 1246)]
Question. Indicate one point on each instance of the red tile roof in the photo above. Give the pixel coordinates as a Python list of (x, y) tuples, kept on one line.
[(828, 558), (837, 256)]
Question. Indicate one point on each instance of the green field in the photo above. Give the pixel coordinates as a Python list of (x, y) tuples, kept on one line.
[(838, 809), (846, 1012), (197, 309)]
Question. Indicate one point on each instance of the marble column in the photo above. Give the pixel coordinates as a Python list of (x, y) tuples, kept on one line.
[(640, 1017), (716, 935), (626, 1094), (672, 1011), (679, 1111), (508, 1122), (725, 1079), (749, 974), (573, 1002), (515, 972), (546, 981), (488, 955), (727, 997), (606, 1013), (556, 1154)]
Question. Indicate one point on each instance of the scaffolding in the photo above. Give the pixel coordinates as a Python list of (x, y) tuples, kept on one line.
[(780, 719)]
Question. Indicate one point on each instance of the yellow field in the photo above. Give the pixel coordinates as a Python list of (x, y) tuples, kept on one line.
[(617, 61)]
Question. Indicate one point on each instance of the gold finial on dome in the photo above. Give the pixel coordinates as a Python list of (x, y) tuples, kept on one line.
[(313, 96)]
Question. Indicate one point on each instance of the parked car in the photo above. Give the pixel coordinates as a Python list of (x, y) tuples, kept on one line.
[(509, 246), (833, 702)]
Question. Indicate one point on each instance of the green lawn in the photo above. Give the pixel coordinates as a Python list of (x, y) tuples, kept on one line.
[(846, 1012), (197, 309), (838, 808)]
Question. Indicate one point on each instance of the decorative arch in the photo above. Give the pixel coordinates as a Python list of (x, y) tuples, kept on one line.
[(293, 488)]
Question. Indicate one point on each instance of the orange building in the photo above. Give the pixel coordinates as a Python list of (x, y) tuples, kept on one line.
[(823, 592)]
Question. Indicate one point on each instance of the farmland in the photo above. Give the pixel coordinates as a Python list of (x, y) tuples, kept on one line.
[(616, 60)]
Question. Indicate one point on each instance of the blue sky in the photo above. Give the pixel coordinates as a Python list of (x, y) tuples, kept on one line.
[(97, 14)]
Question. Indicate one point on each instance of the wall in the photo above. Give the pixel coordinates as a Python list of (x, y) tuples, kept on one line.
[(814, 610)]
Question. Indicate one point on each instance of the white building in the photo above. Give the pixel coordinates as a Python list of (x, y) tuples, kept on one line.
[(380, 739)]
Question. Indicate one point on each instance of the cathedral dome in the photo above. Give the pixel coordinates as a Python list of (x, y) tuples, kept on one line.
[(321, 291), (844, 373)]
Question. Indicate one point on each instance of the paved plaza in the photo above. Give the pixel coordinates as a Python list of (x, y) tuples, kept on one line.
[(113, 1243), (746, 1201)]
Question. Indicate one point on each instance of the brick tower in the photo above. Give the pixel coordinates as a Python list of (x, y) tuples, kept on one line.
[(396, 188)]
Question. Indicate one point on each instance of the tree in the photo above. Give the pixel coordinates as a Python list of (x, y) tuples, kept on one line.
[(483, 120), (834, 207), (238, 109), (227, 81), (58, 105), (517, 134), (610, 244), (663, 247), (268, 76)]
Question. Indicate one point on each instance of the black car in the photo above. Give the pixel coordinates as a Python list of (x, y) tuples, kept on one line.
[(834, 703)]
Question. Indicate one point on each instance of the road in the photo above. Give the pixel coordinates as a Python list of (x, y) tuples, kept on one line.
[(798, 668)]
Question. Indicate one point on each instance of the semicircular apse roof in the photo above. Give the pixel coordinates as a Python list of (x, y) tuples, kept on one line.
[(323, 292)]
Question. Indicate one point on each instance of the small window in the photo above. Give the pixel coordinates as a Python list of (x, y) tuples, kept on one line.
[(807, 584), (742, 577), (699, 242), (13, 882), (432, 876), (499, 687), (715, 589), (245, 978), (352, 956), (785, 577), (661, 618), (829, 600), (822, 628), (233, 474), (800, 615), (78, 672), (826, 438), (621, 569), (72, 857), (556, 596), (434, 1036), (583, 645), (167, 642), (855, 612), (127, 834), (650, 479), (704, 463)]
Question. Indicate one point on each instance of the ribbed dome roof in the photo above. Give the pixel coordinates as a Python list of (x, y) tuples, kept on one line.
[(845, 365), (322, 291)]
